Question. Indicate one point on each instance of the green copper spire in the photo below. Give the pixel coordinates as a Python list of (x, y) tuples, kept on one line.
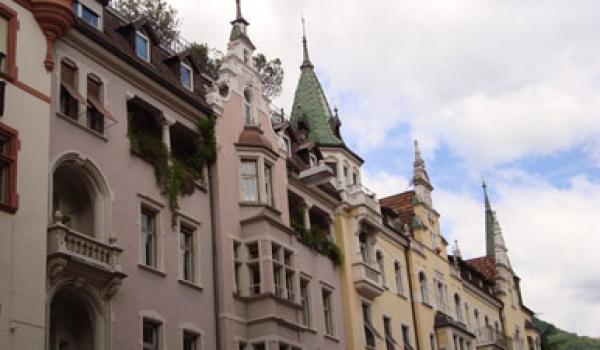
[(310, 103), (489, 223)]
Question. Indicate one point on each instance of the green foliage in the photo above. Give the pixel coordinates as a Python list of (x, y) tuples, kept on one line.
[(556, 339), (317, 240), (206, 63), (162, 16), (175, 177), (271, 74)]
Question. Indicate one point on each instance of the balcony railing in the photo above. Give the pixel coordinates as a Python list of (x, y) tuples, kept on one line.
[(359, 194), (367, 280), (64, 241), (488, 336)]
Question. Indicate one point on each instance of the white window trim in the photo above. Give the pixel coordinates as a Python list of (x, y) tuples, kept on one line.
[(145, 202), (145, 37), (194, 226), (187, 66)]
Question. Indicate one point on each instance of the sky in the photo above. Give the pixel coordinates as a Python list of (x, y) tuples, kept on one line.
[(502, 89)]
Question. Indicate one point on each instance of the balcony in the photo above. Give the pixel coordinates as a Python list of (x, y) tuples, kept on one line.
[(367, 280), (316, 175), (360, 195), (489, 338), (76, 256)]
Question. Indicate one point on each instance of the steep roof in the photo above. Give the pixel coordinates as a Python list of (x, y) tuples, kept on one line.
[(402, 204), (311, 107), (485, 265)]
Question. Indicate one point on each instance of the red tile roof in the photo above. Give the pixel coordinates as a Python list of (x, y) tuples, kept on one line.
[(402, 205), (484, 265)]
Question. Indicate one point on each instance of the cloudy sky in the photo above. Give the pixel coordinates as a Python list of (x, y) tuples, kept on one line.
[(505, 89)]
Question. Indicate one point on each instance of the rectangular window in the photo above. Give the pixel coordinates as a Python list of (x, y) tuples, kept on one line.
[(390, 342), (69, 96), (333, 167), (142, 46), (269, 184), (237, 265), (150, 336), (186, 77), (191, 341), (398, 276), (406, 337), (277, 279), (249, 173), (95, 109), (187, 253), (381, 266), (254, 279), (3, 42), (327, 312), (368, 326), (9, 145), (289, 285), (258, 346), (242, 345), (90, 17), (149, 239), (305, 301)]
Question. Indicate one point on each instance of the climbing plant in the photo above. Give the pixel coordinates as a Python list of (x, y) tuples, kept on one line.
[(316, 240), (175, 177)]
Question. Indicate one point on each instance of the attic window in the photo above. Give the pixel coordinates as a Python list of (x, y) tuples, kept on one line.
[(86, 14), (186, 77), (142, 46)]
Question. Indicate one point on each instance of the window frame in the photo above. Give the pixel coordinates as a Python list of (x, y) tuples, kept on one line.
[(326, 296), (398, 277), (144, 207), (197, 339), (11, 159), (147, 50), (183, 65), (186, 229), (10, 72), (256, 180), (156, 325), (305, 301)]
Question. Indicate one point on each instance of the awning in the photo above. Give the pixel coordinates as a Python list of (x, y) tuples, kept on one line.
[(73, 92), (100, 108)]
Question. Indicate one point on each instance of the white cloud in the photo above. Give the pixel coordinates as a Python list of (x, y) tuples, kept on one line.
[(385, 184), (550, 233)]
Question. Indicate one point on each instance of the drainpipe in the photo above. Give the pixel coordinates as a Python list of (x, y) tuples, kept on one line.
[(410, 293), (215, 260)]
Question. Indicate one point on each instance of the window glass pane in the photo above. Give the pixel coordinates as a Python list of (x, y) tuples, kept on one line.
[(3, 36), (269, 184), (150, 336), (89, 16), (249, 181), (190, 341), (3, 182), (149, 237), (187, 254), (141, 47), (186, 76)]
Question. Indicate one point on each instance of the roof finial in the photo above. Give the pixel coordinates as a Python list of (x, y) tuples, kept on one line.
[(239, 9), (418, 157), (306, 62), (488, 206), (456, 250)]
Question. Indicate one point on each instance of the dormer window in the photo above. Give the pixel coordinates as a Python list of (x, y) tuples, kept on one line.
[(86, 14), (186, 77), (142, 46)]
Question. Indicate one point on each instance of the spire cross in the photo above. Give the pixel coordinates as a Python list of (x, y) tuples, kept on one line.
[(239, 9), (306, 62)]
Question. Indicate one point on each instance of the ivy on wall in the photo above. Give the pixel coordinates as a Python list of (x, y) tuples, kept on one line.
[(318, 241), (175, 177)]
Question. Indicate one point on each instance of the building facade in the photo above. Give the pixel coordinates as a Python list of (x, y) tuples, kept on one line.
[(144, 204)]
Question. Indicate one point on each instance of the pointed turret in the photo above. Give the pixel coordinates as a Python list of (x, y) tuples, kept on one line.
[(496, 248), (420, 179), (311, 109), (239, 27)]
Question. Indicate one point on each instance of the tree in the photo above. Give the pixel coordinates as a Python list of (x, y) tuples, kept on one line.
[(162, 17), (271, 74), (207, 59)]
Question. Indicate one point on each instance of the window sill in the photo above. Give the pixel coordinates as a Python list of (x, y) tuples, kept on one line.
[(153, 270), (75, 123), (190, 284), (260, 205), (427, 304), (332, 338), (11, 209)]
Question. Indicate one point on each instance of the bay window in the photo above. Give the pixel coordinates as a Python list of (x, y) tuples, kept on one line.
[(256, 180)]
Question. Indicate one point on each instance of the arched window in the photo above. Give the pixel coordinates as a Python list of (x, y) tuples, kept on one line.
[(423, 287), (248, 120)]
